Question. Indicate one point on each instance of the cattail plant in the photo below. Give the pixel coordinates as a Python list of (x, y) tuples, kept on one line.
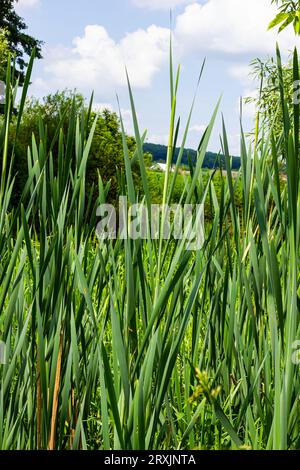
[(140, 343)]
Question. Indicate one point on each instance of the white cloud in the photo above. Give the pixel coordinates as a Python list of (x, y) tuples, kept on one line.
[(22, 4), (160, 139), (234, 143), (98, 62), (241, 72), (127, 120), (249, 109), (160, 4), (125, 113), (99, 107), (198, 128), (231, 27)]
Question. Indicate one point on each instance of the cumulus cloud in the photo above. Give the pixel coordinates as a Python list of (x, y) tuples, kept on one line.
[(225, 27), (198, 128), (98, 62), (160, 139), (160, 4), (249, 109), (22, 4), (240, 71), (100, 107), (231, 27), (126, 114)]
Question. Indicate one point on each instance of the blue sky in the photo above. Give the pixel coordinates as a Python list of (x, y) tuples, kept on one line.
[(88, 43)]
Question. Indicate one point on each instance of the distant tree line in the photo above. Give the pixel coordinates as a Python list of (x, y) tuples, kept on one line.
[(211, 160)]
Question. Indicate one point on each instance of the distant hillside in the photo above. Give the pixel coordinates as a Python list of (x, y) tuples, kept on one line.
[(211, 160)]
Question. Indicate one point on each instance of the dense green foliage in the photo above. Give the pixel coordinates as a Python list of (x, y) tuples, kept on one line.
[(143, 344), (268, 99), (106, 153), (20, 43), (4, 52), (156, 185)]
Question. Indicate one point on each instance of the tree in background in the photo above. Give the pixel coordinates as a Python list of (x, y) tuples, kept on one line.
[(20, 43), (52, 109), (268, 101), (106, 155), (4, 52), (289, 14)]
